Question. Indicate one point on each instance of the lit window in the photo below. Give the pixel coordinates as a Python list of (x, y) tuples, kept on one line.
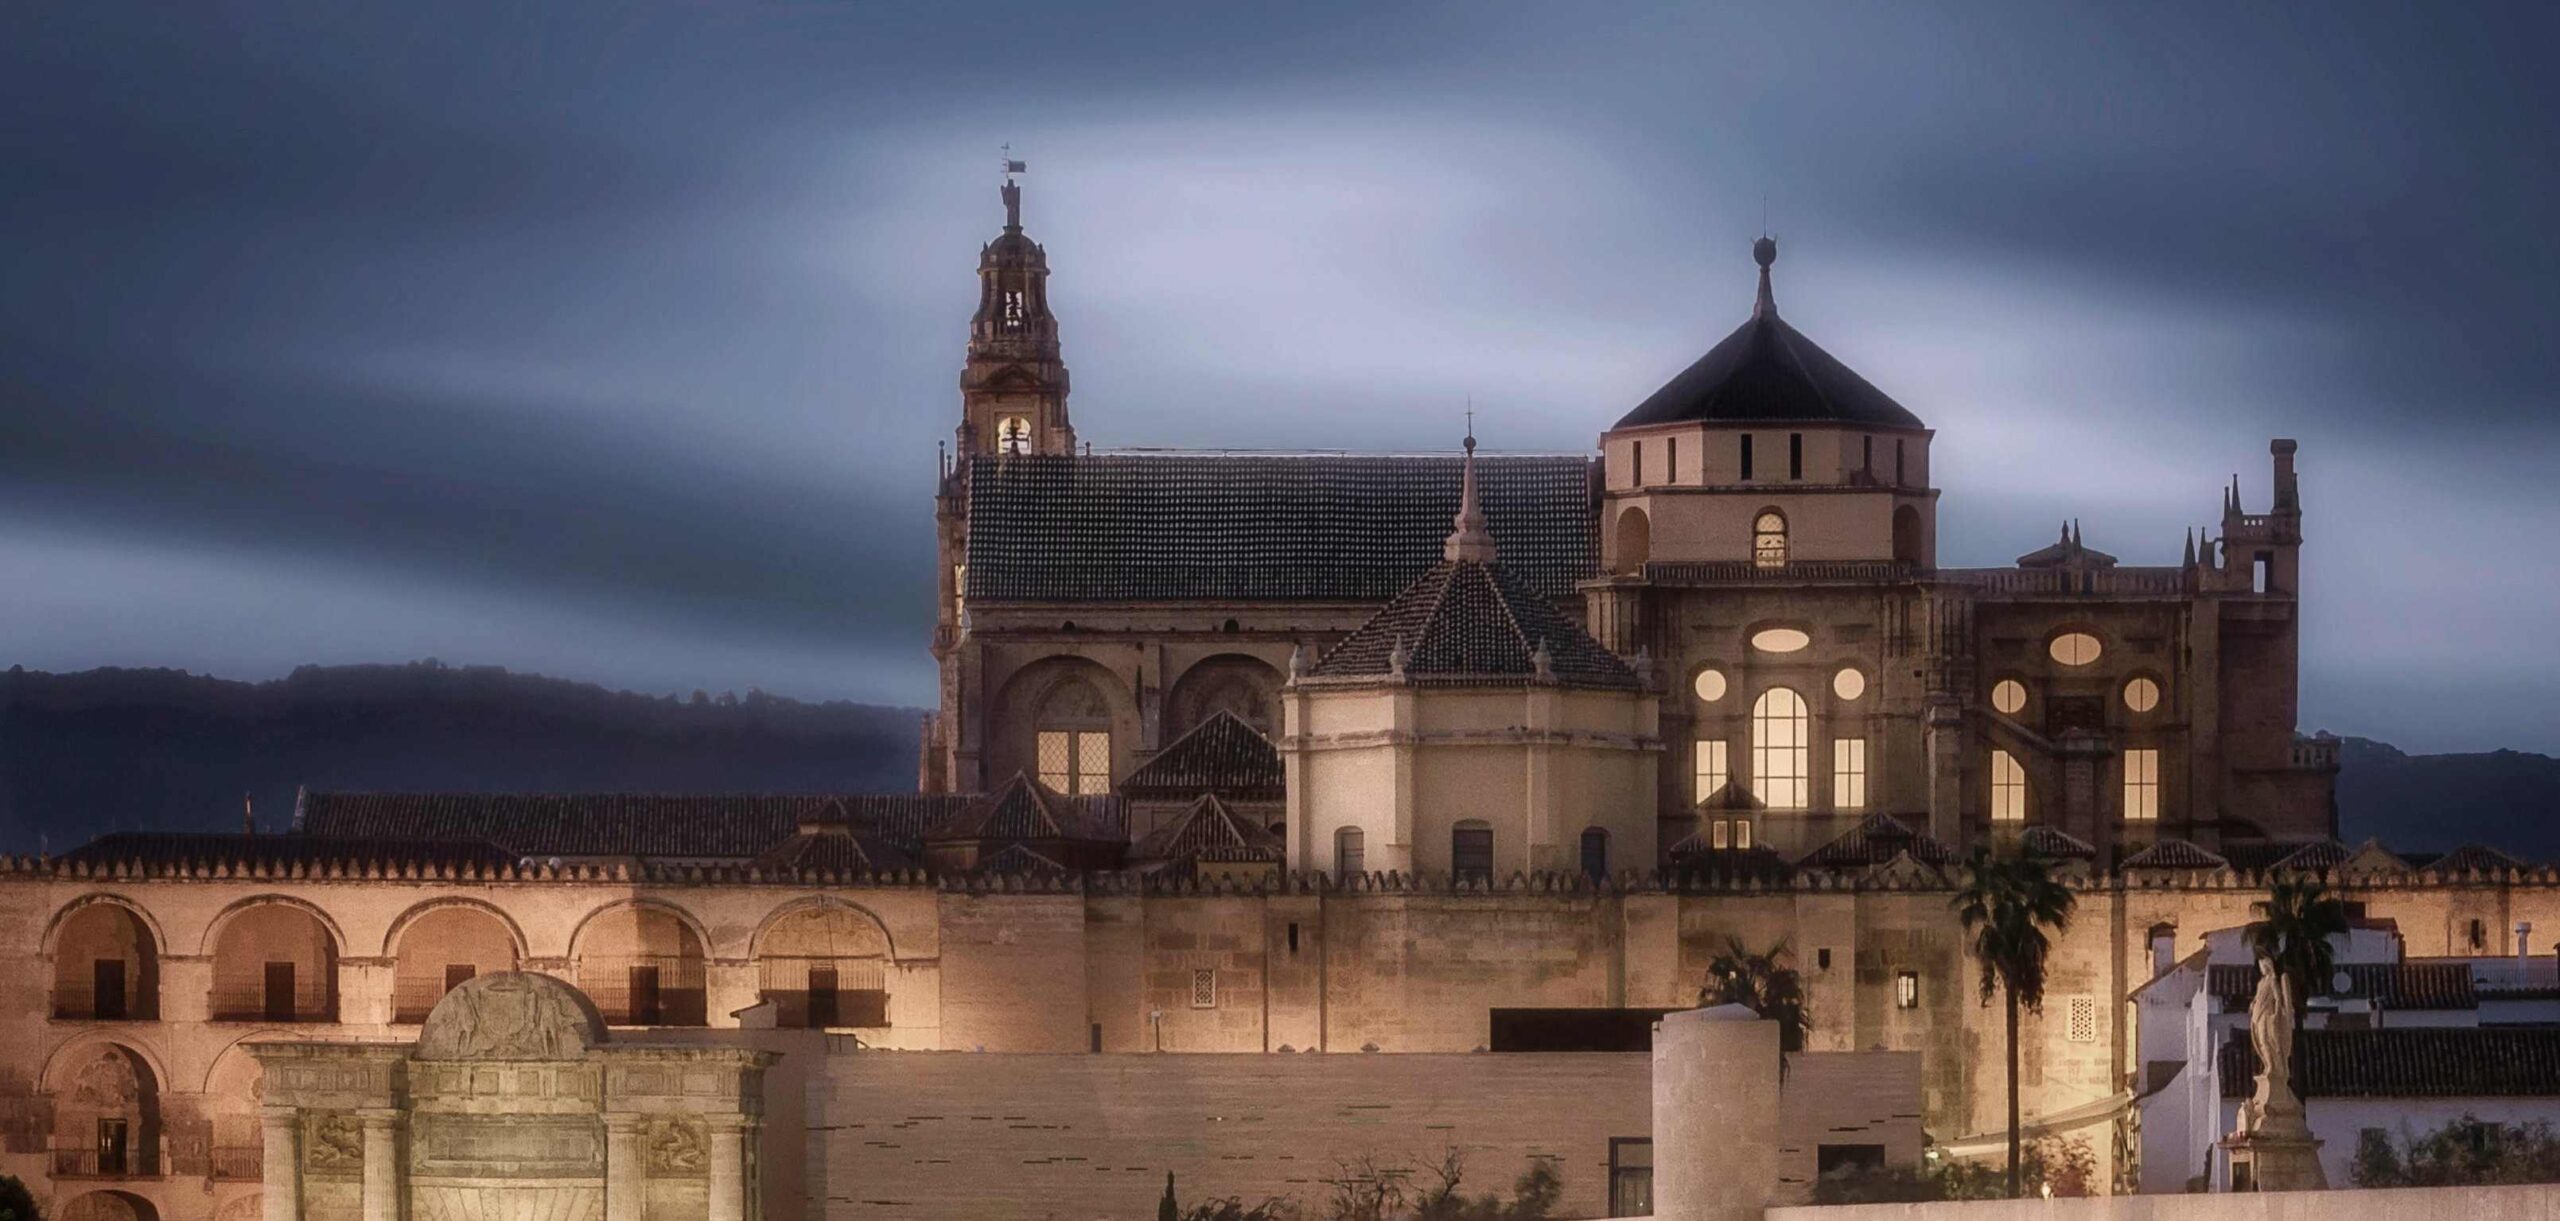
[(1013, 435), (2008, 788), (1204, 989), (1781, 746), (1723, 835), (2080, 1023), (1849, 773), (1780, 640), (2075, 648), (1906, 990), (1713, 768), (1710, 685), (2142, 695), (959, 591), (1742, 834), (1075, 761), (1734, 833), (2141, 785), (1848, 684), (1769, 541), (2009, 695)]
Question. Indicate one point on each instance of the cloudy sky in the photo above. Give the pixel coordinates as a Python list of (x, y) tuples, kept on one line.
[(613, 341)]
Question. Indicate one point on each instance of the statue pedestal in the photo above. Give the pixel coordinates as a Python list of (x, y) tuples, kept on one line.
[(2275, 1161)]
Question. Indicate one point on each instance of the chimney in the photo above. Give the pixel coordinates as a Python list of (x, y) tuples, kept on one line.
[(2288, 495)]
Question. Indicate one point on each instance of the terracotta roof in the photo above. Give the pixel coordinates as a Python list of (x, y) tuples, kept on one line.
[(2396, 985), (1874, 842), (166, 849), (1023, 809), (2474, 858), (833, 848), (1260, 528), (2172, 854), (1221, 755), (1465, 619), (1766, 370), (696, 826), (1209, 831), (2413, 1062), (2054, 843)]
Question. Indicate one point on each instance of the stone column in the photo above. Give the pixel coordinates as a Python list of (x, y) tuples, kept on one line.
[(280, 1164), (1715, 1115), (381, 1164), (728, 1168), (622, 1168)]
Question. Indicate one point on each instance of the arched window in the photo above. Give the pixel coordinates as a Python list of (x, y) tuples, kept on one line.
[(105, 966), (1013, 435), (1471, 850), (1781, 746), (1635, 540), (1595, 853), (1769, 540), (2008, 788), (1350, 851), (1075, 739)]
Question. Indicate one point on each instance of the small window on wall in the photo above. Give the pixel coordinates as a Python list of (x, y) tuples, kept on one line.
[(2008, 788), (2142, 785), (1795, 455), (1350, 851), (1906, 990), (2008, 696), (1075, 761), (1769, 541), (1630, 1176), (1710, 685), (1639, 481), (1733, 834), (1204, 989), (1471, 850), (2080, 1020), (2076, 648), (1671, 446), (1712, 770), (1746, 457), (1849, 773), (2141, 695), (1595, 853)]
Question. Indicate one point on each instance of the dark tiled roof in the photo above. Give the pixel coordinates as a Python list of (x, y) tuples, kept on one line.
[(1022, 809), (2053, 843), (2172, 854), (1877, 840), (1018, 858), (2413, 1062), (833, 848), (707, 826), (1463, 619), (1209, 831), (1259, 528), (1221, 755), (172, 849), (2474, 858), (1768, 371), (2396, 985), (2068, 553), (1696, 857)]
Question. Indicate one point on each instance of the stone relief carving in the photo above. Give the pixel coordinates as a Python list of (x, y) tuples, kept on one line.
[(676, 1148), (332, 1144), (513, 1015)]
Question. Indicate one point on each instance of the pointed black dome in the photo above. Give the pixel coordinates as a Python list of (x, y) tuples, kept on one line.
[(1768, 372)]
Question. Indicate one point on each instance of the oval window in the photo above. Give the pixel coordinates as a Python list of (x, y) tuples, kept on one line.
[(1780, 640), (2076, 648), (1710, 685), (1848, 684), (2142, 695), (2009, 695)]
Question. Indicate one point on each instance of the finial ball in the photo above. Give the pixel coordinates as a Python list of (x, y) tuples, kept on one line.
[(1764, 251)]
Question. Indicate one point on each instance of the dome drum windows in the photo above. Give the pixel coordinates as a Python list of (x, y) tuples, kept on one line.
[(2075, 649), (2009, 696), (1781, 749), (2008, 789), (2141, 694), (1769, 539)]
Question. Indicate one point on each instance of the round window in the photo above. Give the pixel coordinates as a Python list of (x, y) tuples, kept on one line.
[(1848, 684), (1780, 640), (2142, 695), (2076, 648), (1710, 685), (2009, 695)]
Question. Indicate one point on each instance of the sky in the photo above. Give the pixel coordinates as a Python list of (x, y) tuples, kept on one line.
[(613, 340)]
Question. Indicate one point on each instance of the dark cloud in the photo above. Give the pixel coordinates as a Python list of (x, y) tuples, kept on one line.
[(642, 320)]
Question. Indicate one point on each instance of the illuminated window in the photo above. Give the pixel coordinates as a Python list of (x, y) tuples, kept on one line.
[(1780, 640), (1013, 435), (959, 591), (2080, 1023), (1723, 834), (1731, 833), (1849, 773), (2008, 788), (1712, 768), (2141, 785), (1075, 739), (1710, 685), (1742, 834), (1906, 990), (2075, 648), (1781, 746), (1204, 989), (1848, 684), (1350, 851), (1769, 541), (2142, 695), (2009, 695)]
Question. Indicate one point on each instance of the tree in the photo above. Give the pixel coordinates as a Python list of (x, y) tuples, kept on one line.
[(2010, 906), (1765, 985), (2463, 1152), (2294, 925), (16, 1202), (1166, 1209)]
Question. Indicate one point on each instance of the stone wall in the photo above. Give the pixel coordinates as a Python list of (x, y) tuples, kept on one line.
[(2412, 1204)]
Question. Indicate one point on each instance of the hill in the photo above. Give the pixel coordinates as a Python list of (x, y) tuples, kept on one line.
[(112, 749), (2431, 803)]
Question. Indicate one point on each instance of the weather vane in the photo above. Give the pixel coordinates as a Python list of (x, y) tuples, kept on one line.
[(1011, 165)]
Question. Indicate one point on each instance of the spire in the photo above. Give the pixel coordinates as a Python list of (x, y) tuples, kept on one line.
[(1764, 252), (2075, 532), (1470, 540), (2191, 548)]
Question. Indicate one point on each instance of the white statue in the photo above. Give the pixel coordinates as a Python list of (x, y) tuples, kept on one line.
[(2271, 1035)]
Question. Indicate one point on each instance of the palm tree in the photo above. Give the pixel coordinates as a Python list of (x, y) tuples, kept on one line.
[(2296, 921), (2008, 904), (1763, 984)]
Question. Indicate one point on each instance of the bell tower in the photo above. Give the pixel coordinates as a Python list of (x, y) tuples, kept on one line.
[(1013, 390)]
